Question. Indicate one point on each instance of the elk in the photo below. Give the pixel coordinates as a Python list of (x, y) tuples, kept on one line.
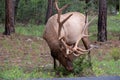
[(63, 33)]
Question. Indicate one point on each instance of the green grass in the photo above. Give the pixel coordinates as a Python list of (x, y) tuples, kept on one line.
[(16, 72), (115, 53), (33, 30), (30, 29), (102, 68)]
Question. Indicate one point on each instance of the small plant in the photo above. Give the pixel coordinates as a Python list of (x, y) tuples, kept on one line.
[(62, 72), (30, 30), (11, 73), (82, 66), (97, 68), (115, 53)]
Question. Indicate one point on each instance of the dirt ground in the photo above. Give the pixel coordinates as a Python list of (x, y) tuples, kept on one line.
[(31, 52)]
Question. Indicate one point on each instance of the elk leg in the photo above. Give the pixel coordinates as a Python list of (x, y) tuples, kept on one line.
[(54, 59), (86, 42), (54, 63), (87, 46)]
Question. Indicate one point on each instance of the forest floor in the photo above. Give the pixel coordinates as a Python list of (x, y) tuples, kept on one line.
[(31, 52), (25, 51)]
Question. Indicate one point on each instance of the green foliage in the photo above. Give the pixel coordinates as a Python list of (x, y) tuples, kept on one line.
[(11, 73), (76, 5), (30, 29), (113, 23), (78, 65), (1, 28), (62, 72), (32, 11), (2, 10), (115, 53), (16, 72), (97, 69), (82, 66), (110, 67)]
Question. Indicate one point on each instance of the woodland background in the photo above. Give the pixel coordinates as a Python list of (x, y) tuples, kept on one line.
[(34, 11)]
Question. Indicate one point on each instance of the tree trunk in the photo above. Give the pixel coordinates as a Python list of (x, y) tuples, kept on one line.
[(9, 17), (86, 1), (16, 6), (49, 10), (117, 6), (102, 21)]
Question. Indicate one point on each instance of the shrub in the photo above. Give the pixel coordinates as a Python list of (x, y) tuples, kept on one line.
[(82, 66)]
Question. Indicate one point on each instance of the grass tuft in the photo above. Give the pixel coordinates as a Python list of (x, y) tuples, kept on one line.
[(115, 53)]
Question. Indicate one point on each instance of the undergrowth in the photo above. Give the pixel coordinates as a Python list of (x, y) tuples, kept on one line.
[(115, 53)]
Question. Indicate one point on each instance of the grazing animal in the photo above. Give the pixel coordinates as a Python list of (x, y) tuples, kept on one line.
[(63, 33)]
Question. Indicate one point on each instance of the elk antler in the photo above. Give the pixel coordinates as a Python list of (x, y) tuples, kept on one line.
[(59, 15), (83, 35), (77, 51)]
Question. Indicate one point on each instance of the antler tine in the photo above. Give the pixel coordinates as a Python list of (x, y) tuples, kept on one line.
[(59, 10), (82, 50), (61, 23), (66, 19), (91, 20), (79, 51), (87, 24), (56, 6)]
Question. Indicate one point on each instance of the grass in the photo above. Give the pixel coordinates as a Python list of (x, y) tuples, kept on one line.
[(102, 68), (115, 53), (16, 72), (33, 30), (28, 52), (29, 30)]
